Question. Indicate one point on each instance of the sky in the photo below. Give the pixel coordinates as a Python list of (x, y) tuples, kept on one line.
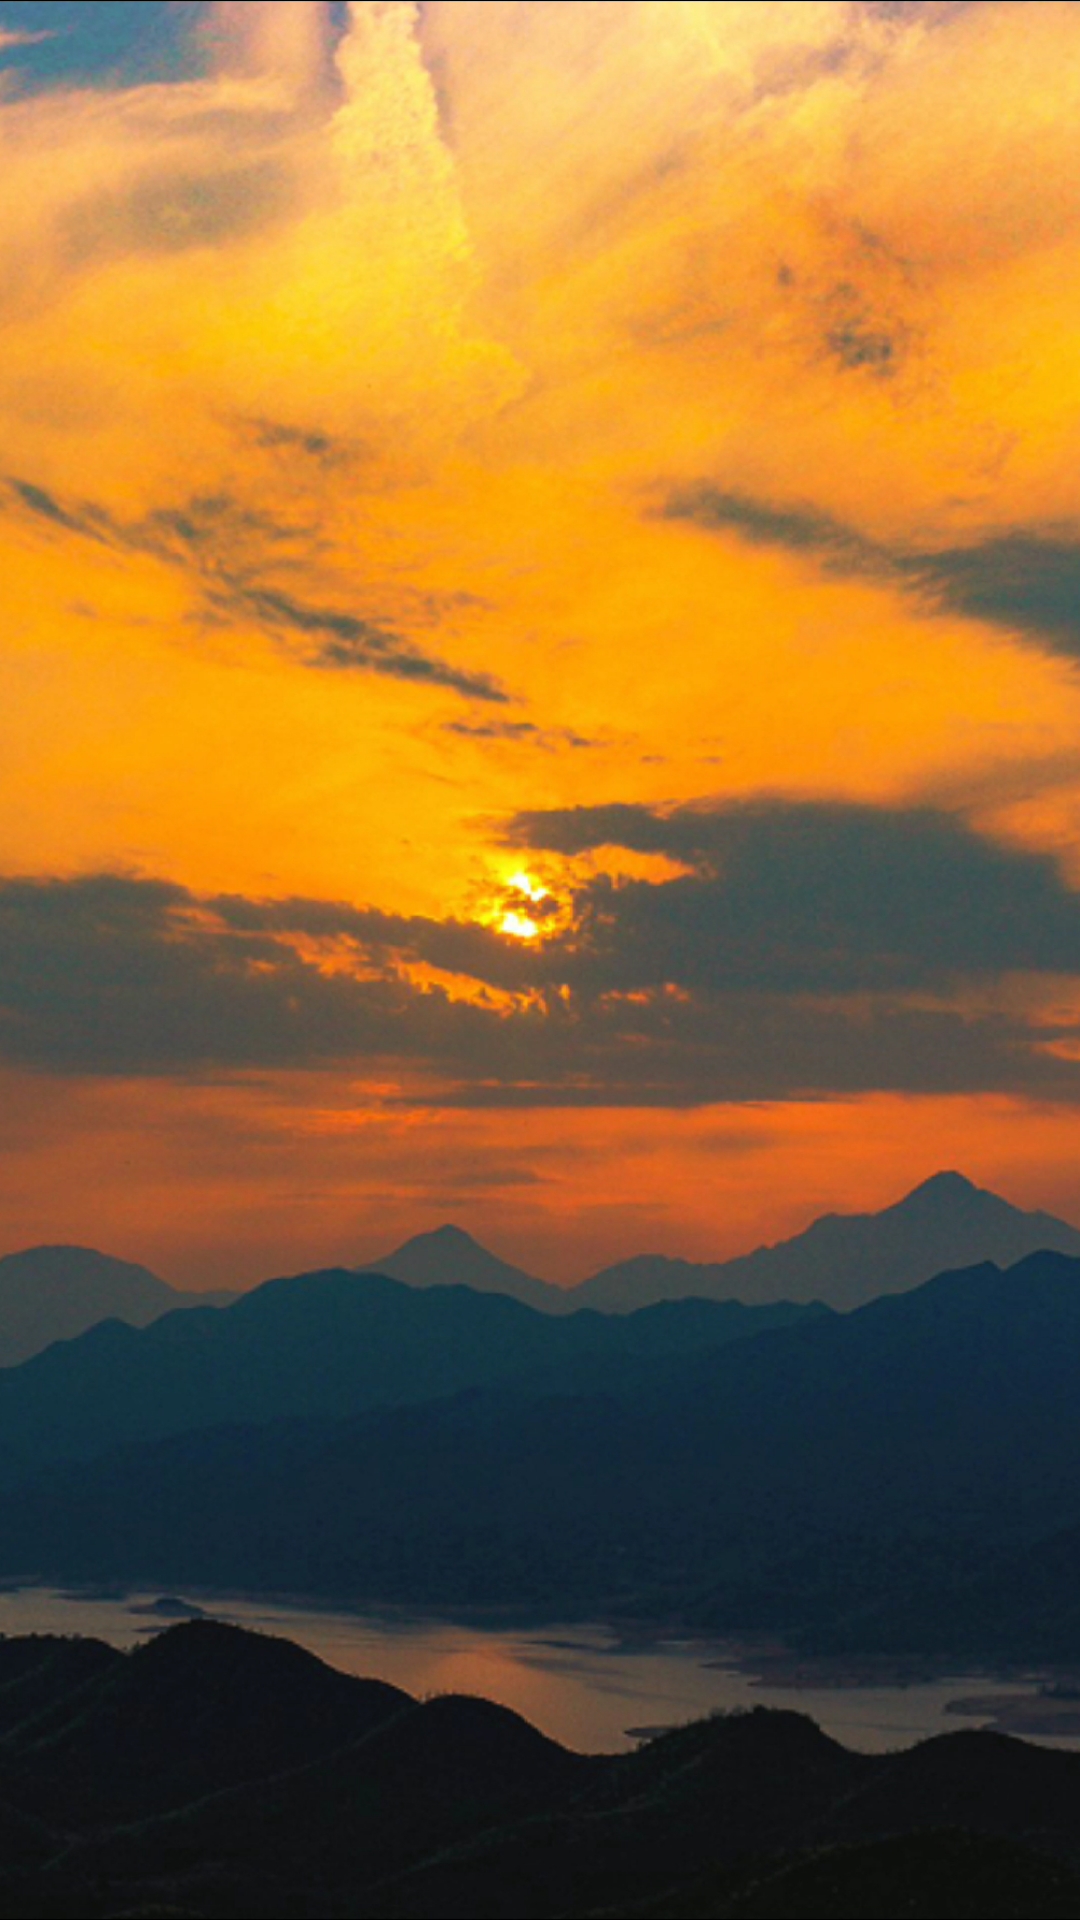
[(538, 682)]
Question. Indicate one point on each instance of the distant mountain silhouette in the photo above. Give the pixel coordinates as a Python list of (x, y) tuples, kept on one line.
[(846, 1479), (850, 1478), (331, 1344), (450, 1257), (216, 1771), (56, 1293), (848, 1259)]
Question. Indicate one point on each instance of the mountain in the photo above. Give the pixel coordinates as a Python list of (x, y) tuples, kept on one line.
[(219, 1772), (850, 1476), (331, 1344), (56, 1293), (848, 1259), (451, 1258)]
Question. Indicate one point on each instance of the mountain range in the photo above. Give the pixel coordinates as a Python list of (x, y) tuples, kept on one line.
[(217, 1772), (880, 1479), (55, 1293), (328, 1345), (843, 1259)]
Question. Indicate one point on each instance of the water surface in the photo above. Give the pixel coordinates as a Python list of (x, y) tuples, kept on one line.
[(581, 1685)]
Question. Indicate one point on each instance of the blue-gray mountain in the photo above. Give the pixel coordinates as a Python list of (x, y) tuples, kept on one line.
[(329, 1345), (877, 1479), (55, 1293), (843, 1259)]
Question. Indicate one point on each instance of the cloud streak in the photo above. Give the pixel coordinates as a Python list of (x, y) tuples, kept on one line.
[(202, 535), (1026, 580)]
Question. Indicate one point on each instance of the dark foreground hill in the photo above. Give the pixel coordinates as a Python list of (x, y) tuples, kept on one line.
[(216, 1773), (885, 1479)]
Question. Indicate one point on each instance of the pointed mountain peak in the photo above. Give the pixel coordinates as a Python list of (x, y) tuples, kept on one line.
[(448, 1256), (445, 1236), (944, 1189), (946, 1183)]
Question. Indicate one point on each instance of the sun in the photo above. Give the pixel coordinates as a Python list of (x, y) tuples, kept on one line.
[(519, 926), (515, 921)]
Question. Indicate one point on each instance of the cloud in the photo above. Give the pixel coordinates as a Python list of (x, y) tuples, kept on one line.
[(810, 897), (1025, 580), (207, 537), (346, 642), (113, 975), (808, 951), (12, 37), (521, 732)]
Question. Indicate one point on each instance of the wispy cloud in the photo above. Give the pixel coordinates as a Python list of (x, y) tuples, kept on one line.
[(11, 37), (1026, 580), (202, 536)]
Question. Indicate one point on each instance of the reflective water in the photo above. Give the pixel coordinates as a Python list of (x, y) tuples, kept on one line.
[(580, 1684)]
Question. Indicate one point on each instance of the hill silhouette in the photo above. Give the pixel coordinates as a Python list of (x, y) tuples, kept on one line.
[(285, 1789), (56, 1293), (449, 1257), (330, 1344), (852, 1479), (848, 1259)]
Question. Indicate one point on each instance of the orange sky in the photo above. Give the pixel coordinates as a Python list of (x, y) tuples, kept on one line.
[(542, 582)]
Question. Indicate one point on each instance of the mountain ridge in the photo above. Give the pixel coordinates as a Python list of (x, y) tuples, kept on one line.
[(57, 1292), (800, 1480), (841, 1259)]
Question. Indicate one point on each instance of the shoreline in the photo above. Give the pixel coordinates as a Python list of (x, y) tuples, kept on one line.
[(1026, 1701)]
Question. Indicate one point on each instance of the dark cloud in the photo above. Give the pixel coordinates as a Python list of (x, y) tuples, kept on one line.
[(177, 213), (116, 976), (750, 1047), (44, 506), (549, 739), (1024, 582), (1027, 582), (767, 524), (209, 536), (323, 448), (862, 347), (810, 898), (344, 641), (112, 975)]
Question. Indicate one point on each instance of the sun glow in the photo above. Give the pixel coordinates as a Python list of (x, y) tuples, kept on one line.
[(519, 926)]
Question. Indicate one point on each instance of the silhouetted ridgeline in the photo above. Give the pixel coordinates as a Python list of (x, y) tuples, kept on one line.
[(843, 1259), (55, 1293), (331, 1344), (885, 1479), (219, 1773)]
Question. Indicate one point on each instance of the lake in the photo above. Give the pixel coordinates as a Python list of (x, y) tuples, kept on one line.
[(582, 1685)]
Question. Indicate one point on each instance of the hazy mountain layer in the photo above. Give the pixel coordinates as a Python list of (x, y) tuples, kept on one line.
[(56, 1293), (450, 1258), (332, 1344), (848, 1259), (844, 1260), (853, 1478)]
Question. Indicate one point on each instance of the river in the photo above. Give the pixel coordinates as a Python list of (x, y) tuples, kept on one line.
[(585, 1686)]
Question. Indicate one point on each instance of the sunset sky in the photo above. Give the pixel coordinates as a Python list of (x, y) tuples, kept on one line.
[(541, 563)]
